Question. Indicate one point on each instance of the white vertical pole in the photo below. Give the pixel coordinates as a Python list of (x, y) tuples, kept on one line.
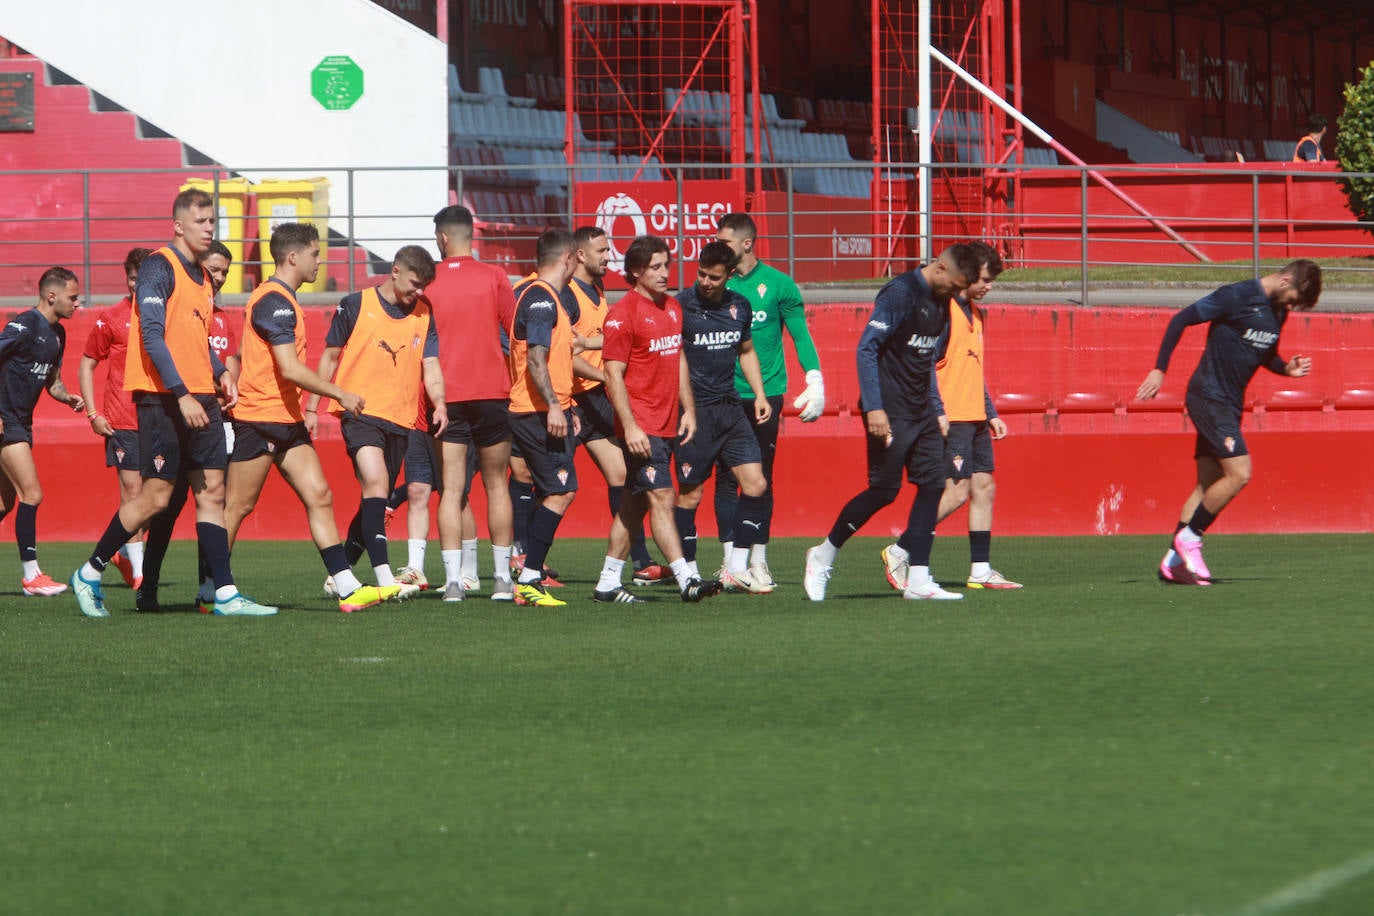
[(925, 118)]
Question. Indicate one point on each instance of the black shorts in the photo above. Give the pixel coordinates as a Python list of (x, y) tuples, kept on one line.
[(253, 439), (167, 447), (364, 431), (1218, 428), (549, 459), (724, 434), (597, 415), (479, 423), (917, 448), (18, 428), (968, 450), (652, 473), (422, 462), (121, 450)]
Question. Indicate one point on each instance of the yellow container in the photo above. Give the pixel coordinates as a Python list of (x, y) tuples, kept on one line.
[(231, 225), (293, 201)]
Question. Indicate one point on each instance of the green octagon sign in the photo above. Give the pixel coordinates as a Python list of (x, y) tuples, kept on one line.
[(336, 82)]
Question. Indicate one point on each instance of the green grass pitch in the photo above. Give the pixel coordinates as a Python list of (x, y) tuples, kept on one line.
[(1098, 743)]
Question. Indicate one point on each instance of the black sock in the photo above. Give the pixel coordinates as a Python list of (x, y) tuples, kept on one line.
[(522, 504), (1201, 520), (858, 511), (749, 521), (215, 540), (613, 497), (543, 527), (765, 514), (115, 537), (919, 535), (397, 497), (26, 531), (373, 515), (726, 503), (687, 531), (980, 546), (353, 546), (335, 559)]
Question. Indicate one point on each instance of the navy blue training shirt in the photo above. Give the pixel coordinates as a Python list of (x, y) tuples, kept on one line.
[(30, 358), (897, 350), (274, 318), (712, 335)]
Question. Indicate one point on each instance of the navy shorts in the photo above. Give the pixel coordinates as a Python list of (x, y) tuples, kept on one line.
[(167, 447), (724, 434), (549, 459), (481, 423), (917, 449), (253, 439), (968, 450), (1218, 428), (422, 460), (652, 473), (364, 431), (121, 450), (18, 428), (597, 415)]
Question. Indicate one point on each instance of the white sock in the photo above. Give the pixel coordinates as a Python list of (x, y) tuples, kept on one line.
[(89, 572), (1188, 536), (693, 569), (500, 556), (680, 572), (345, 583), (529, 576), (758, 555), (611, 570), (225, 592), (134, 551), (739, 560), (1173, 559), (980, 571), (825, 552), (470, 559), (725, 548), (917, 576), (30, 568), (415, 553), (385, 576), (453, 565)]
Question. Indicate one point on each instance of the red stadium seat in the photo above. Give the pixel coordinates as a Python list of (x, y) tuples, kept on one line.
[(1087, 402), (1358, 398), (1295, 400), (1020, 402), (1164, 402)]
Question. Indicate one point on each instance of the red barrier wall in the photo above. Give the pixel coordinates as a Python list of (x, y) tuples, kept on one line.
[(1081, 457)]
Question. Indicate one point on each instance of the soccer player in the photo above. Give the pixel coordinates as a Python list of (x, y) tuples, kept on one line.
[(1309, 148), (896, 359), (108, 342), (472, 302), (541, 417), (175, 378), (715, 338), (962, 397), (646, 380), (1244, 323), (31, 347), (777, 305), (383, 344), (422, 481), (269, 426), (584, 298)]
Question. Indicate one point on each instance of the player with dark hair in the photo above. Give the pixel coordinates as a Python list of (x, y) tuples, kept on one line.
[(777, 306), (962, 397), (542, 422), (175, 378), (584, 298), (108, 342), (269, 427), (896, 359), (1244, 322), (1309, 148), (716, 337), (647, 381), (472, 302), (31, 347), (384, 345)]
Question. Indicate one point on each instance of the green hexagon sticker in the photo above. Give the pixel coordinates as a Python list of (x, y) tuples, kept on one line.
[(337, 82)]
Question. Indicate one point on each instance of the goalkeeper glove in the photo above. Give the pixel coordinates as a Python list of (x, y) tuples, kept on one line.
[(811, 402)]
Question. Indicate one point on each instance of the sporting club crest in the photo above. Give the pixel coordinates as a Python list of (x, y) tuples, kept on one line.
[(119, 455), (686, 470), (650, 473), (562, 475), (734, 312), (158, 462), (1230, 444), (958, 462)]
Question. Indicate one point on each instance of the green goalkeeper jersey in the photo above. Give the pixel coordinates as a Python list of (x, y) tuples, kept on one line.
[(776, 302)]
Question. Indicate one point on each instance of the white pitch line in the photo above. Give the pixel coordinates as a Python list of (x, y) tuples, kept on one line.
[(1314, 887)]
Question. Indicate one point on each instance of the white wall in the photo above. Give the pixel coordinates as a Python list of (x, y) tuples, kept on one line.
[(233, 80)]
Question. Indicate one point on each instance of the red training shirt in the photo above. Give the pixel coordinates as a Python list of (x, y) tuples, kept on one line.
[(223, 339), (108, 342), (471, 302), (647, 337)]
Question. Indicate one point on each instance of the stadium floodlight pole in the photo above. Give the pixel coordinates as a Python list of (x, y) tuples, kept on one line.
[(1062, 150), (924, 122)]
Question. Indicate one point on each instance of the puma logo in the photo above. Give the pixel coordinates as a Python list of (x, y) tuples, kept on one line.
[(383, 345)]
